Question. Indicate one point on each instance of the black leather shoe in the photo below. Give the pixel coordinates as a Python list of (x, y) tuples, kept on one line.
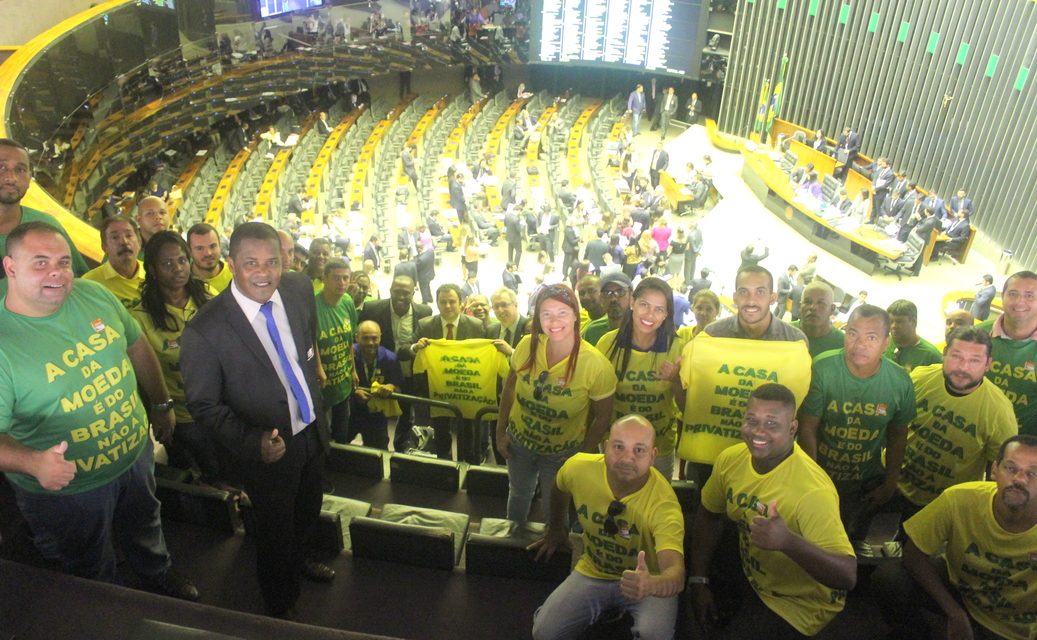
[(317, 571), (174, 585)]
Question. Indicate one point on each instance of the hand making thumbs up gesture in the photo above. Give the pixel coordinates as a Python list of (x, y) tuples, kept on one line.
[(637, 584), (768, 530)]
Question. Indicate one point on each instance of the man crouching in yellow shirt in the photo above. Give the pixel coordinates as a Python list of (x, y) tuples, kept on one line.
[(795, 556), (633, 539)]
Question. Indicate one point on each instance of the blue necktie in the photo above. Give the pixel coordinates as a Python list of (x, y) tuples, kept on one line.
[(267, 308)]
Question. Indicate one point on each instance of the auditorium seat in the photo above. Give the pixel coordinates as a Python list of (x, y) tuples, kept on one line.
[(424, 471), (499, 549), (411, 535)]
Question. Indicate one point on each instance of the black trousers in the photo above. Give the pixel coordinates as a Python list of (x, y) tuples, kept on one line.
[(515, 252), (286, 499)]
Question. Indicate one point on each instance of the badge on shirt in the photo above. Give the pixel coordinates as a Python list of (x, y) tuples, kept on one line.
[(169, 345), (309, 353), (1029, 365), (880, 409), (98, 325)]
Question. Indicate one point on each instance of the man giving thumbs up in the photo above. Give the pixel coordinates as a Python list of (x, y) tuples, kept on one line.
[(633, 539), (797, 563)]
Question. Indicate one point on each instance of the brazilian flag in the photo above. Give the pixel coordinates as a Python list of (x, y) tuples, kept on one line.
[(775, 106)]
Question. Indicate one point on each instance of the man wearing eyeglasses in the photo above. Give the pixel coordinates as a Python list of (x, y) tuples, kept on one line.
[(615, 293), (633, 539), (983, 584), (795, 557)]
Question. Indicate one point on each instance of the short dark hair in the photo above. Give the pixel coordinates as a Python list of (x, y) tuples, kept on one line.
[(450, 286), (755, 268), (201, 229), (903, 308), (18, 233), (11, 142), (871, 311), (1024, 439), (1024, 275), (110, 220), (337, 263), (253, 231), (774, 392), (970, 334)]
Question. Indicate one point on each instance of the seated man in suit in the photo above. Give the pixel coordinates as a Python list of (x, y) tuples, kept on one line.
[(398, 317), (449, 324), (957, 235), (487, 228)]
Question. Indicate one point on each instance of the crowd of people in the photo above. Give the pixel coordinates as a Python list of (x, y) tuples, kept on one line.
[(246, 354)]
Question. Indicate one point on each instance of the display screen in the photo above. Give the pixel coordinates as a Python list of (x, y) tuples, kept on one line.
[(268, 8), (664, 36)]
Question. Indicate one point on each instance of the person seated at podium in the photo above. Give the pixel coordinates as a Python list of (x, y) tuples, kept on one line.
[(799, 175), (819, 142), (954, 238), (810, 187)]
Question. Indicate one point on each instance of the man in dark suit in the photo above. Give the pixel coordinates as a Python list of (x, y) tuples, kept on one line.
[(408, 160), (660, 160), (250, 373), (547, 231), (323, 126), (985, 296), (846, 149), (881, 183), (508, 189), (373, 252), (425, 264), (405, 266), (786, 282), (694, 108), (596, 250), (566, 195), (408, 240), (513, 234), (398, 317), (510, 327), (570, 246), (455, 186), (295, 203), (448, 324), (510, 277), (667, 107), (957, 235), (961, 202)]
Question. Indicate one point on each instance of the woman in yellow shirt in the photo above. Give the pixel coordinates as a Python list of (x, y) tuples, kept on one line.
[(556, 401), (645, 353), (170, 296)]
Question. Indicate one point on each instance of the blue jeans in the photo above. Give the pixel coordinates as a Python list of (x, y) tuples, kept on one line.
[(635, 123), (78, 529), (524, 467), (580, 601)]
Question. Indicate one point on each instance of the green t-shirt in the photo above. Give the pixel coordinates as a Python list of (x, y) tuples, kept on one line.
[(834, 339), (595, 329), (952, 438), (643, 391), (79, 266), (68, 377), (335, 329), (854, 415), (922, 354), (1014, 370), (992, 568)]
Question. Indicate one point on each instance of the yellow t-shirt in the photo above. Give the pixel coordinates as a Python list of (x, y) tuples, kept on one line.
[(462, 372), (221, 280), (719, 374), (993, 569), (127, 290), (642, 391), (651, 520), (952, 438), (167, 347), (549, 414), (809, 505)]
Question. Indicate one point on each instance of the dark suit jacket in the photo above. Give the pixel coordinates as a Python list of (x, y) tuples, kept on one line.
[(380, 312), (961, 203), (232, 386), (406, 268), (457, 201), (662, 163), (507, 192), (981, 307), (522, 328), (512, 227), (425, 264), (510, 280), (595, 251), (372, 254), (959, 230), (571, 240), (467, 327), (323, 128)]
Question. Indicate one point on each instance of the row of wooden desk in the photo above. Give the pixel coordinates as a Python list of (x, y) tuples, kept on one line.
[(365, 162), (322, 164)]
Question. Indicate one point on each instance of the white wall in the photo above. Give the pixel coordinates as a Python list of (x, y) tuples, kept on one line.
[(25, 19)]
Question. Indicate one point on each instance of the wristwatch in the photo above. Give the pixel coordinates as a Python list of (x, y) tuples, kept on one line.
[(163, 406)]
